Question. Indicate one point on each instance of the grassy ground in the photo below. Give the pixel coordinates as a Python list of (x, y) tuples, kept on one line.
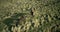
[(29, 15)]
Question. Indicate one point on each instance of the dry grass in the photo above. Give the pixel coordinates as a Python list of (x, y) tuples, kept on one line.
[(30, 15)]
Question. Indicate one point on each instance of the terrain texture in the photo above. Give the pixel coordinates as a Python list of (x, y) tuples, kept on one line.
[(29, 15)]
